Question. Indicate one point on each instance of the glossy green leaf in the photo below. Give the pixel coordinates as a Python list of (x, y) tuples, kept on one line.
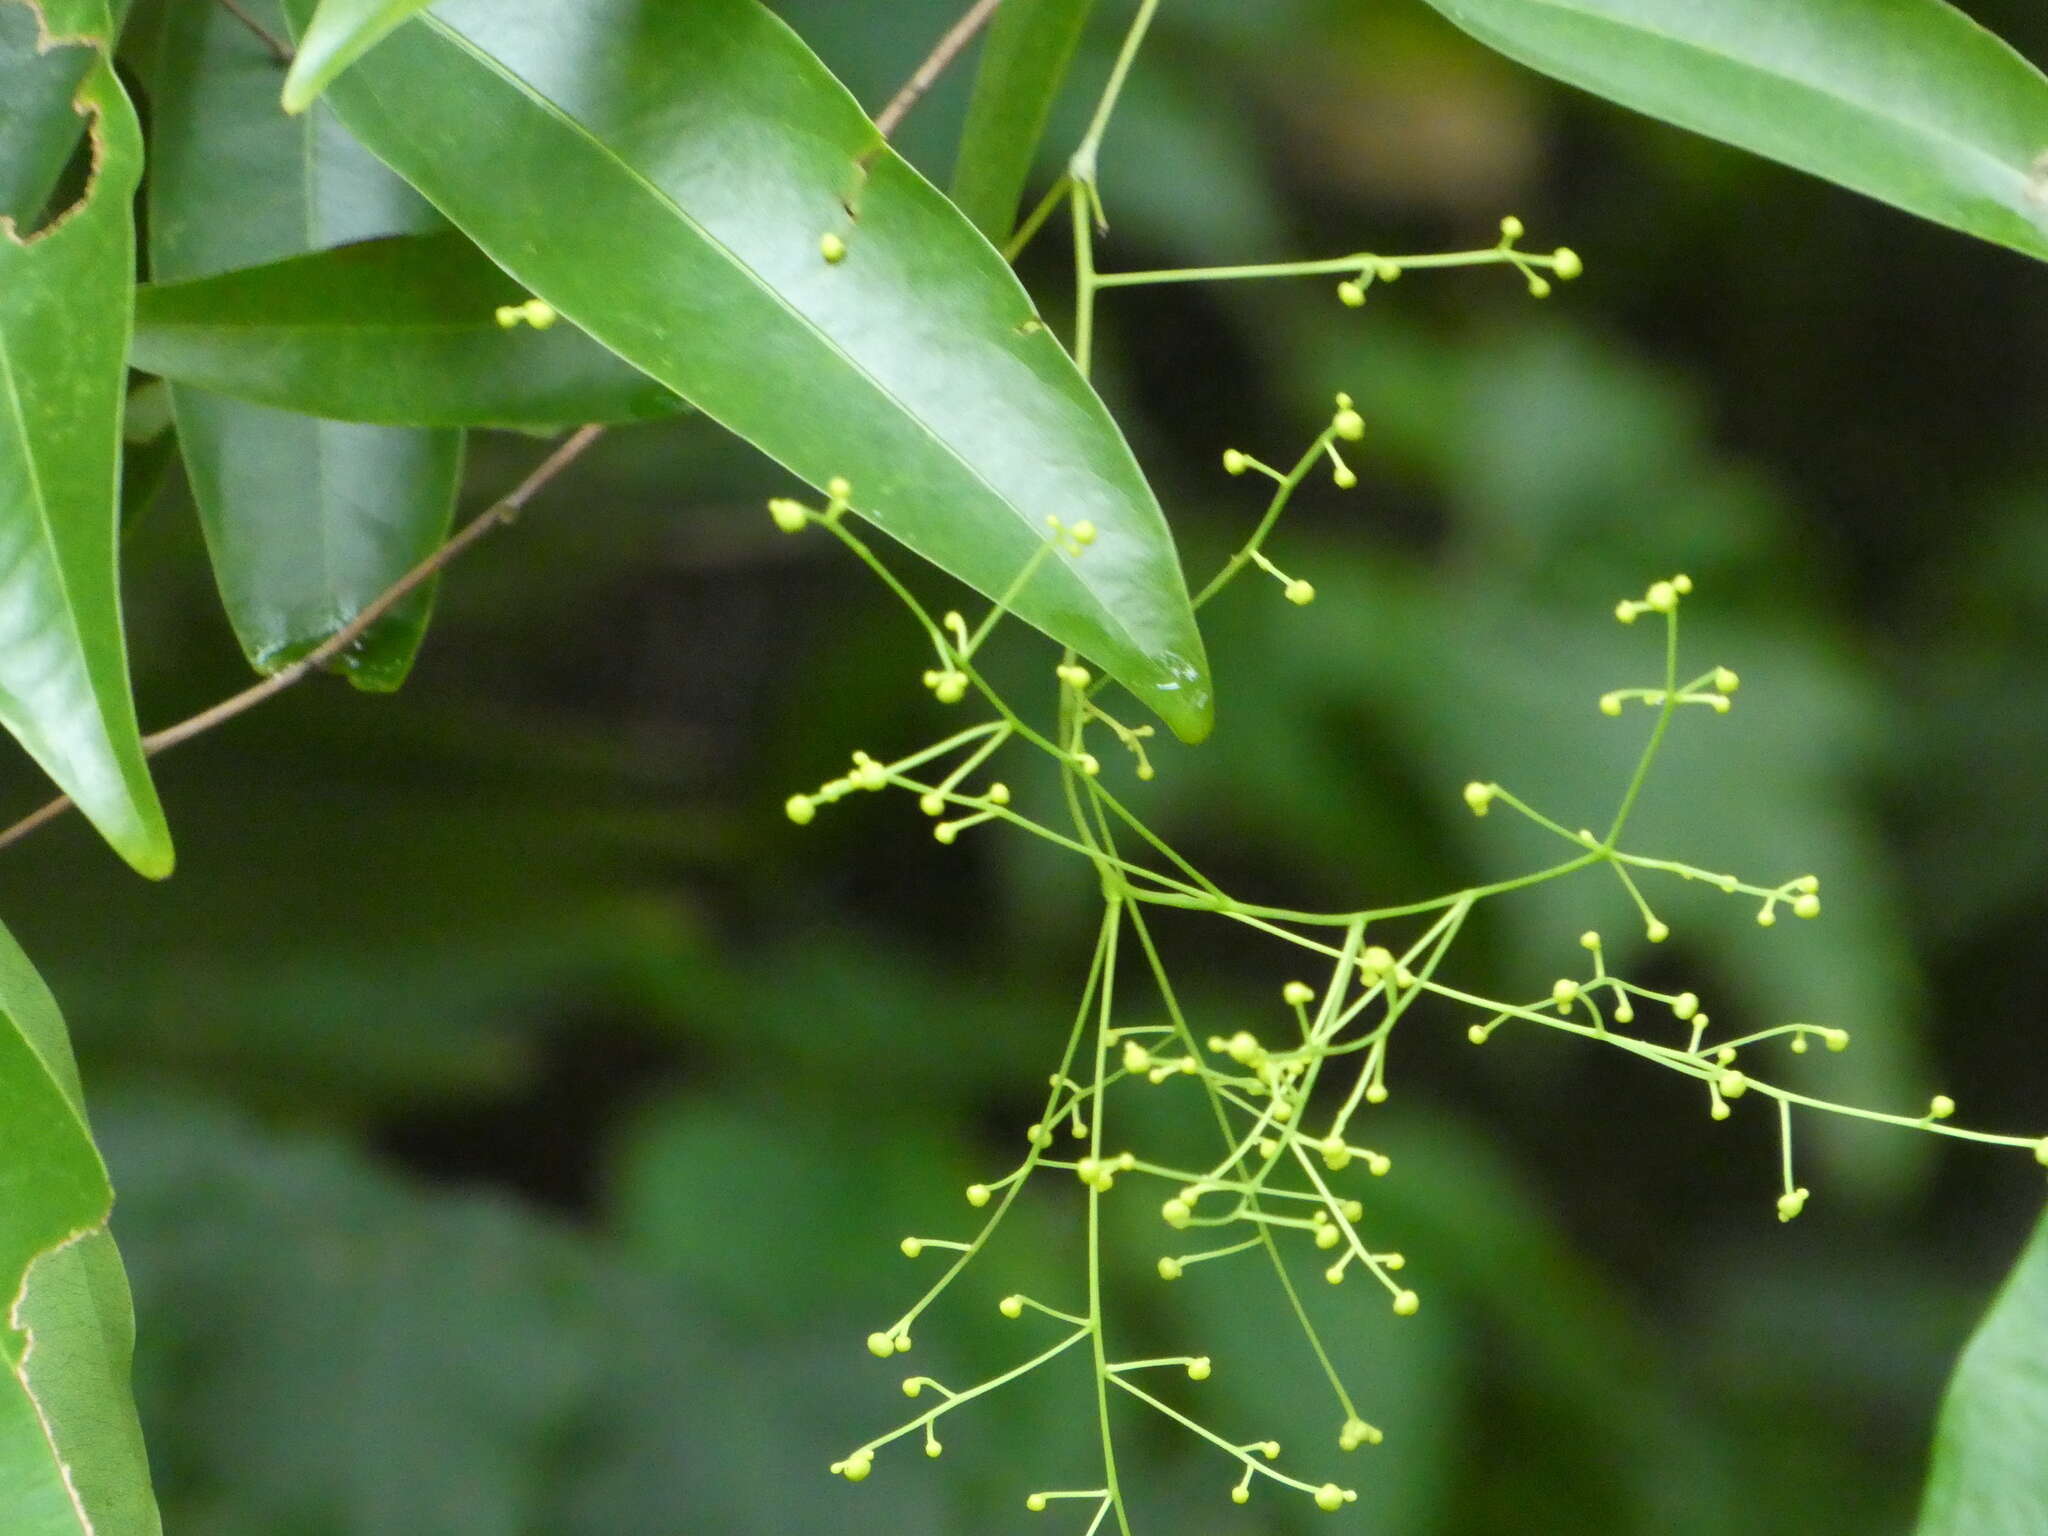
[(64, 312), (340, 32), (1908, 101), (71, 1457), (400, 331), (306, 520), (1990, 1474), (1030, 46), (664, 175)]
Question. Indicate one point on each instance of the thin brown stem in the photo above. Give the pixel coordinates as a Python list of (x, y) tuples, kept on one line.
[(957, 37), (499, 513), (271, 40)]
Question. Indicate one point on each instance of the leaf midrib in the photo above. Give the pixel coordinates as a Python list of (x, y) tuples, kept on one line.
[(526, 88)]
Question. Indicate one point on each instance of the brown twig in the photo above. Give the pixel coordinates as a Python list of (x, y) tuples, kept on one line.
[(277, 48), (494, 516), (957, 37)]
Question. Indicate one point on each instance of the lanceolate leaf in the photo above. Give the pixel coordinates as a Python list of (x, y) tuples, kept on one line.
[(1908, 101), (1030, 44), (1990, 1475), (401, 331), (341, 32), (71, 1457), (64, 311), (307, 520), (667, 176)]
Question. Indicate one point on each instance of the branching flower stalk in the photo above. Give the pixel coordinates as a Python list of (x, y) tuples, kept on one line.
[(1289, 1104), (1286, 1102)]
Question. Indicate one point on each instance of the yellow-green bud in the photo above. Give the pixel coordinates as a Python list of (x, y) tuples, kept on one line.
[(1169, 1268), (1300, 593), (1566, 264), (800, 809), (1511, 228), (1406, 1303), (832, 248), (1234, 463), (1350, 294), (1199, 1368), (857, 1466), (1330, 1498), (1298, 994), (1011, 1307), (1349, 425), (1357, 1432), (977, 1195), (1805, 905), (1479, 797), (911, 1247), (1941, 1107), (881, 1346), (790, 516), (1176, 1213)]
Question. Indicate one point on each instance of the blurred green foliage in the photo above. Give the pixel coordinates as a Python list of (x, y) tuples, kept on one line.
[(514, 1117)]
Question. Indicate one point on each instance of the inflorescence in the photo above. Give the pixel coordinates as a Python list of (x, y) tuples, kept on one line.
[(1291, 1175), (1292, 1172)]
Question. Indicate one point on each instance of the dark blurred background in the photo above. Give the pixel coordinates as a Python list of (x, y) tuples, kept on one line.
[(515, 1116)]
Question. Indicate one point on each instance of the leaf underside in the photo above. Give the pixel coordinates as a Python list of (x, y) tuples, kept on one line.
[(1908, 101)]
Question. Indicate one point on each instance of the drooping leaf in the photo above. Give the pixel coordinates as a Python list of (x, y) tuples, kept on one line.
[(1990, 1476), (400, 331), (1908, 101), (340, 32), (71, 1457), (306, 520), (666, 176), (1030, 46), (64, 314)]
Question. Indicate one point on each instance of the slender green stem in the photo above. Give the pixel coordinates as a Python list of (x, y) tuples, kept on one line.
[(1082, 168)]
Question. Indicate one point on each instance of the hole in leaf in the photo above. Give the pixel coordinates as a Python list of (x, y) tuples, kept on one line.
[(46, 169)]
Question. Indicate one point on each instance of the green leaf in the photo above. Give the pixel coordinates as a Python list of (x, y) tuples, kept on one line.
[(306, 520), (64, 312), (1908, 101), (38, 126), (340, 32), (400, 331), (1989, 1476), (1030, 46), (71, 1456), (663, 175)]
